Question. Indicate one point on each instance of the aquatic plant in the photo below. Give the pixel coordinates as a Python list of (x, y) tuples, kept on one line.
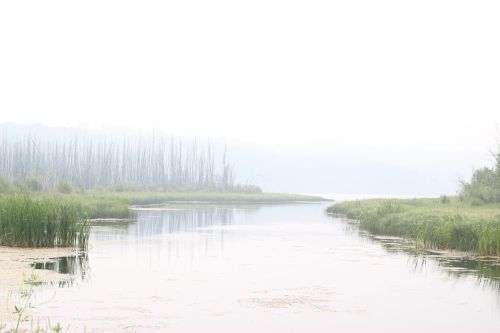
[(28, 221)]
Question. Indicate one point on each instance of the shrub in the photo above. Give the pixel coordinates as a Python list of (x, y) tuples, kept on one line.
[(484, 186), (444, 199), (34, 183), (64, 187), (4, 185)]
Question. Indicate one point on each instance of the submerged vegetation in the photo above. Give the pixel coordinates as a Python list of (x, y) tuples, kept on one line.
[(434, 223), (28, 221)]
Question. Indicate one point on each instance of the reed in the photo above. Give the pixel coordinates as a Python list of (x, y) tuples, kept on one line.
[(451, 225), (27, 221)]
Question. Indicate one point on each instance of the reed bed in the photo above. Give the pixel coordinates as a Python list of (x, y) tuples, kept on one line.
[(431, 222), (27, 221)]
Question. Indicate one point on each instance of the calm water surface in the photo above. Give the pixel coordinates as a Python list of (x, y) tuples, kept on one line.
[(284, 268)]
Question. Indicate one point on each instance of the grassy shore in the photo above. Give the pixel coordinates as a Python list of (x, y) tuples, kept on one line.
[(435, 223)]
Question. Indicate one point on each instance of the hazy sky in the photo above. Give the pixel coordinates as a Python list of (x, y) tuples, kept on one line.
[(383, 74)]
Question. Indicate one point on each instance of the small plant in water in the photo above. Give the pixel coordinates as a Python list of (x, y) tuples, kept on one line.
[(21, 311)]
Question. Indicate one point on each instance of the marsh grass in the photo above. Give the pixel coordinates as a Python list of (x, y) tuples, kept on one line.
[(431, 223), (32, 221)]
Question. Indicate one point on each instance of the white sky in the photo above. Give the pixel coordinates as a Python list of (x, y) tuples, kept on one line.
[(383, 73)]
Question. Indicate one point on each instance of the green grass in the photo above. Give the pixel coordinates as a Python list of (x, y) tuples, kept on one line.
[(31, 221), (449, 225)]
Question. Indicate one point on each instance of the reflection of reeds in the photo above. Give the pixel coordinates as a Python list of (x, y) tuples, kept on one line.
[(150, 223), (41, 222), (76, 267), (485, 270), (154, 162)]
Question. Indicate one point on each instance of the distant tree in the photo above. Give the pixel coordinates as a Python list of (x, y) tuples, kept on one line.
[(484, 186)]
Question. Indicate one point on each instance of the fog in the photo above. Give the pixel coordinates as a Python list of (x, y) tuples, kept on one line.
[(382, 97)]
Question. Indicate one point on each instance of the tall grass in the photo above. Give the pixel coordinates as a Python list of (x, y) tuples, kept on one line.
[(452, 225), (27, 221)]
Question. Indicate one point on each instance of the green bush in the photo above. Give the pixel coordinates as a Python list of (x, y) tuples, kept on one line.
[(484, 186), (4, 185), (444, 199), (64, 187), (34, 184)]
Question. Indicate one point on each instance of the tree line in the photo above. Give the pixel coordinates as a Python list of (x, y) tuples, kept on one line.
[(152, 162)]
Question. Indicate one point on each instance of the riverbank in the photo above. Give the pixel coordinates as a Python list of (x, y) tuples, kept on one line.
[(434, 223)]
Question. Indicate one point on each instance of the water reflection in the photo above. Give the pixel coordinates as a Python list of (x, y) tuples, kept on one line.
[(282, 268), (486, 271), (76, 267), (204, 230), (164, 220), (148, 224)]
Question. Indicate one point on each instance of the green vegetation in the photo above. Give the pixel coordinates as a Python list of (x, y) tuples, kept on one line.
[(484, 186), (437, 223), (32, 221), (64, 187), (4, 185)]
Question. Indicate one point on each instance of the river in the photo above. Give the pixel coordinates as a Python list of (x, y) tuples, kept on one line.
[(263, 268)]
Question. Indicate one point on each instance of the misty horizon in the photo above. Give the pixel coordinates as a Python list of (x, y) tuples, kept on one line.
[(323, 168)]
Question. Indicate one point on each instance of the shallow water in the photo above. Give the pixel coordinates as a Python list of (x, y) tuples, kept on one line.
[(283, 268)]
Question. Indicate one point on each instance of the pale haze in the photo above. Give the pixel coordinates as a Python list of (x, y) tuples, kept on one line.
[(385, 97)]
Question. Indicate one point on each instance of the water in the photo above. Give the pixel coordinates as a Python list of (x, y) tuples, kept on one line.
[(282, 268)]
